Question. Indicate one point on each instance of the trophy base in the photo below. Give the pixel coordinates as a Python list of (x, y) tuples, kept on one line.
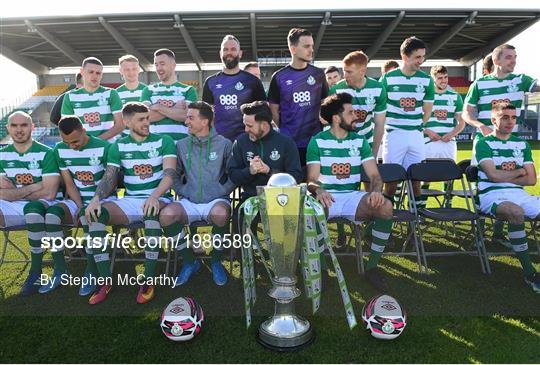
[(284, 333)]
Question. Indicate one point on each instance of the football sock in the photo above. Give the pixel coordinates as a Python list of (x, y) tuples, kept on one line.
[(152, 233), (498, 228), (53, 228), (381, 233), (90, 263), (518, 239), (34, 215), (217, 249), (98, 233), (176, 232)]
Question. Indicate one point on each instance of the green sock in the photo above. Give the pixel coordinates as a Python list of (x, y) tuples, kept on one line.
[(421, 201), (176, 232), (98, 232), (217, 253), (152, 233), (91, 266), (498, 228), (34, 215), (340, 230), (53, 228), (381, 234), (518, 239)]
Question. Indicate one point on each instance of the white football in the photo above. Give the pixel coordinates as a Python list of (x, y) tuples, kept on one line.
[(384, 317), (182, 319)]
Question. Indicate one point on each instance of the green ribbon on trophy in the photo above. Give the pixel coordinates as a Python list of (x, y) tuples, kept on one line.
[(316, 240)]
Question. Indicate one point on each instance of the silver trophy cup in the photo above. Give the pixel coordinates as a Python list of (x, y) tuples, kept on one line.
[(281, 210)]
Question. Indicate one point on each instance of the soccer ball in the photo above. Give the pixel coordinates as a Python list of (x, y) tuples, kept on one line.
[(182, 319), (384, 317)]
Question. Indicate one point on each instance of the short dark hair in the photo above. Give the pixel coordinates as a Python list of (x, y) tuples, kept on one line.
[(251, 64), (133, 107), (333, 105), (389, 65), (205, 110), (69, 123), (410, 45), (295, 34), (497, 51), (92, 60), (331, 69), (78, 78), (165, 51), (487, 65), (504, 105), (260, 109), (438, 69)]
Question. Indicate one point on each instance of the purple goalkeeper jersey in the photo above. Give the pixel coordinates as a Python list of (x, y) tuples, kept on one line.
[(298, 94), (227, 93)]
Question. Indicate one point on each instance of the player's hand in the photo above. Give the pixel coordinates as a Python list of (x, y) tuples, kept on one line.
[(324, 197), (151, 206), (375, 199), (255, 165), (486, 130), (181, 104), (155, 107), (432, 135), (6, 183), (447, 137), (264, 168), (93, 211)]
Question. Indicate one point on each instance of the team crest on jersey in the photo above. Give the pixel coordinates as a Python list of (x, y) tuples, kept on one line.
[(274, 156), (212, 156), (78, 105), (219, 86), (512, 88), (102, 100), (94, 160), (177, 92), (33, 164), (395, 88), (450, 102), (311, 80), (11, 164), (517, 153), (370, 100), (420, 88), (326, 152), (239, 86), (153, 152), (288, 82), (354, 151), (249, 155)]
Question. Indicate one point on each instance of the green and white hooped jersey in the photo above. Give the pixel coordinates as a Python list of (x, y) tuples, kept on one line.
[(340, 160), (169, 95), (511, 154), (489, 90), (126, 96), (367, 101), (406, 96), (86, 166), (442, 120), (29, 167), (95, 110), (141, 162)]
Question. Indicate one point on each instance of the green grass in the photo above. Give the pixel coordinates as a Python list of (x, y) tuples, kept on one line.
[(456, 314)]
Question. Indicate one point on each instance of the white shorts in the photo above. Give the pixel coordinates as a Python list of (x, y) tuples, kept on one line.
[(403, 147), (440, 149), (133, 207), (345, 204), (529, 203), (13, 212), (199, 211)]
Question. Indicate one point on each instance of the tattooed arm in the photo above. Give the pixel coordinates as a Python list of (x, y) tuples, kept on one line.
[(106, 186), (151, 205)]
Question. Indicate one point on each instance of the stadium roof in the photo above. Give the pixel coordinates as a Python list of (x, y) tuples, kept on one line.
[(42, 43)]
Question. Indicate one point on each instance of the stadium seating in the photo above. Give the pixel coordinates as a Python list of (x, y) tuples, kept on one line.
[(52, 90)]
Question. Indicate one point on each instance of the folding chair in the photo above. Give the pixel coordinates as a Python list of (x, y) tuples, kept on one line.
[(441, 171), (472, 176), (435, 193), (395, 173), (7, 242)]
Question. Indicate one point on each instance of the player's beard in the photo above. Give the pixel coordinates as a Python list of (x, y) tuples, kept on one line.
[(344, 125), (231, 62)]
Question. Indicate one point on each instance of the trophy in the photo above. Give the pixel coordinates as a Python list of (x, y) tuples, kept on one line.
[(281, 211)]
